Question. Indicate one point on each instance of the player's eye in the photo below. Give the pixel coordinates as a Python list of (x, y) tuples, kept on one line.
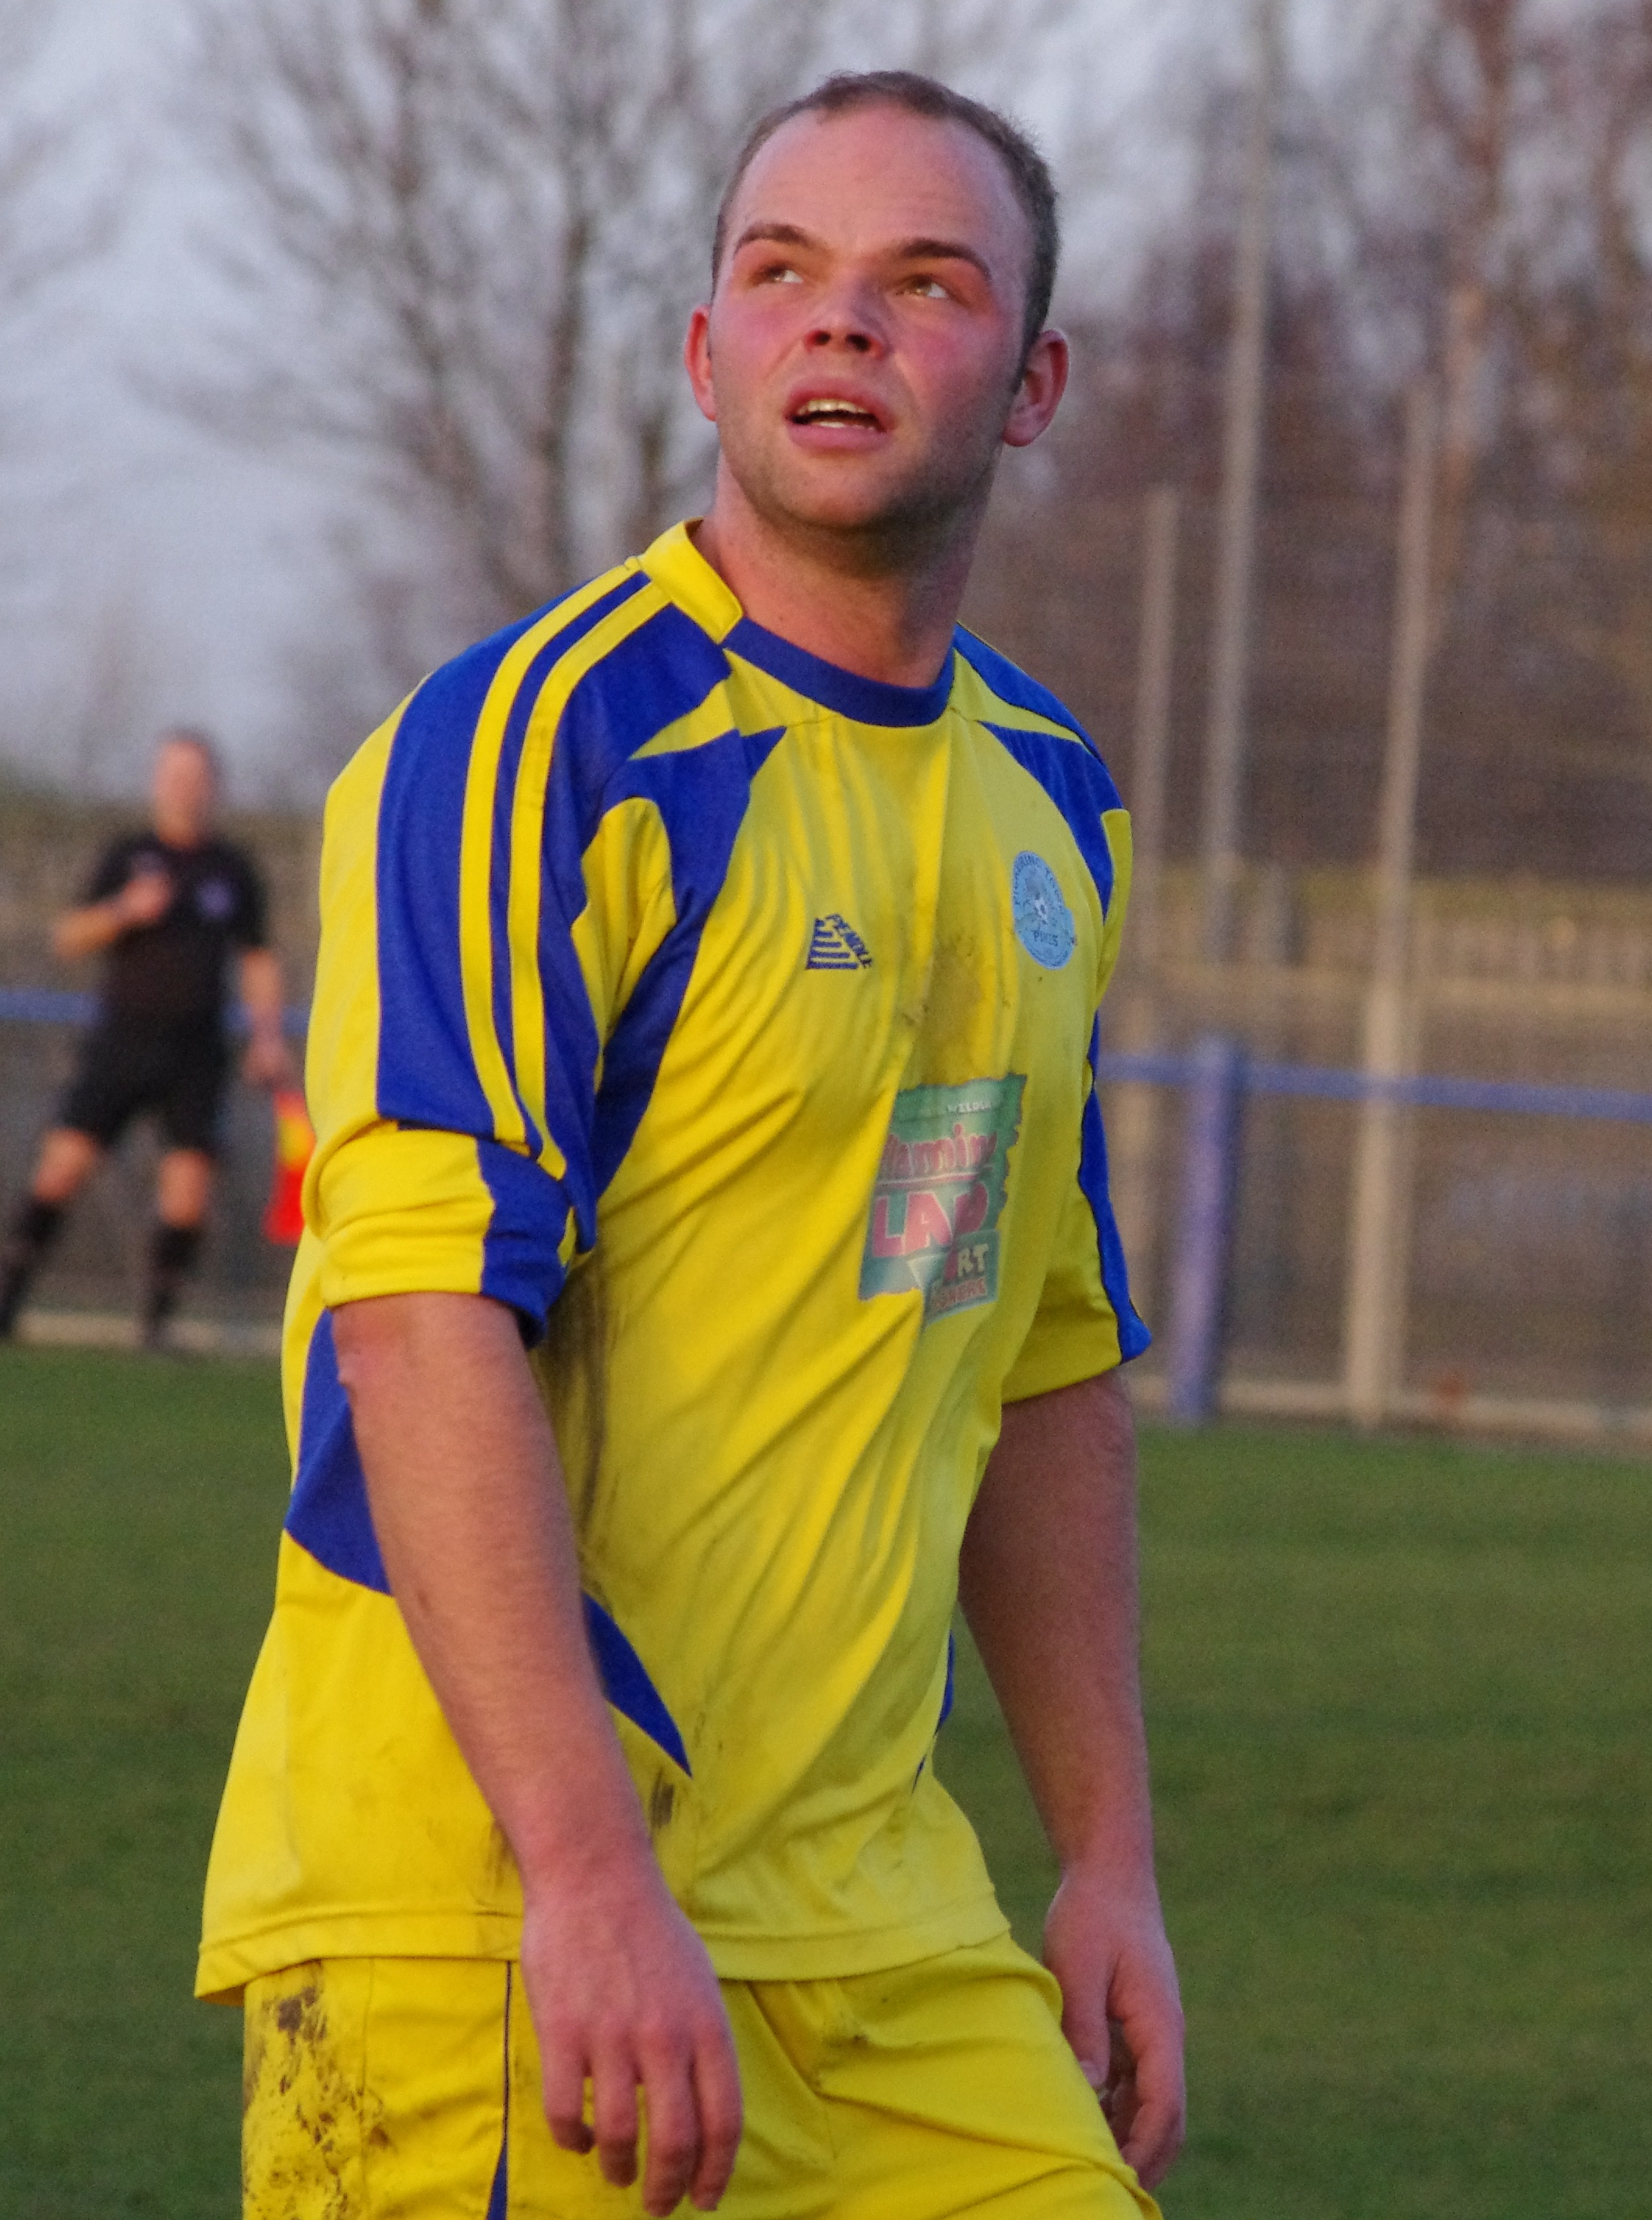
[(931, 288), (776, 273)]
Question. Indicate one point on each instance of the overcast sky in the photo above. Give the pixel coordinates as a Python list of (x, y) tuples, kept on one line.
[(147, 573)]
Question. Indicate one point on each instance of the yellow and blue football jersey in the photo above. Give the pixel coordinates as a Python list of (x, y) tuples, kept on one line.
[(732, 1018)]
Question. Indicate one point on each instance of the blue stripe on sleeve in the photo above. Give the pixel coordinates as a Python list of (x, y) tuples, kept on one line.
[(510, 763), (658, 674), (426, 1072), (702, 794), (522, 1259), (1133, 1336), (327, 1512)]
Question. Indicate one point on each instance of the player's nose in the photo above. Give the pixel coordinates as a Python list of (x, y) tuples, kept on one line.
[(848, 316), (861, 342)]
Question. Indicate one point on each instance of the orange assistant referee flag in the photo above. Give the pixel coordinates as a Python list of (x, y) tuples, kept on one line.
[(295, 1141)]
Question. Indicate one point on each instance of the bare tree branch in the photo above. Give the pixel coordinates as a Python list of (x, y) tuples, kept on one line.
[(462, 241)]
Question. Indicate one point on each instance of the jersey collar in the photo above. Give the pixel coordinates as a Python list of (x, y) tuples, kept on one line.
[(676, 563)]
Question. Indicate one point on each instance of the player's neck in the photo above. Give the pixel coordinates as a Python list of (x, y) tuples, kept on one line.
[(171, 833), (883, 613)]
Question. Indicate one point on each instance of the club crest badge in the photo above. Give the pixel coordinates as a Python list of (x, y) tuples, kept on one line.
[(1043, 924)]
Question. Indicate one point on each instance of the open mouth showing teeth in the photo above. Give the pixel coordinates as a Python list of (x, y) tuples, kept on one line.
[(834, 412)]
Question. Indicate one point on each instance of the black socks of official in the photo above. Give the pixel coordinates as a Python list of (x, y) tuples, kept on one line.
[(32, 1231), (172, 1251)]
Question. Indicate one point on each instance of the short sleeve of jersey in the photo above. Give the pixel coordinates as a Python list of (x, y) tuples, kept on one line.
[(1086, 1323), (485, 915)]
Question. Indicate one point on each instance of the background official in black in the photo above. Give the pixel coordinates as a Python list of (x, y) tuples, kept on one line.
[(167, 907)]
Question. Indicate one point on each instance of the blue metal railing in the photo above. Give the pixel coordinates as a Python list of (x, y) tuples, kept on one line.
[(50, 1006), (1217, 1077), (1328, 1084)]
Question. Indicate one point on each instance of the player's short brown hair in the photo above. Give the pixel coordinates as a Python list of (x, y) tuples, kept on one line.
[(1024, 166)]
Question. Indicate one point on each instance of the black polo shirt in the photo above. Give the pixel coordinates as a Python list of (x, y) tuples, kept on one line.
[(173, 974)]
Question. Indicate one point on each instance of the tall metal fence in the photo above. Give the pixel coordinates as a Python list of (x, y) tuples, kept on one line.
[(1520, 1245), (1520, 1248)]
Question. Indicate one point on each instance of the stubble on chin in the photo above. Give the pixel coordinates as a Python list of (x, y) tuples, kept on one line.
[(869, 522)]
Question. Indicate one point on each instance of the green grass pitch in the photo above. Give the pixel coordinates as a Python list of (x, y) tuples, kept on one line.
[(1399, 1692)]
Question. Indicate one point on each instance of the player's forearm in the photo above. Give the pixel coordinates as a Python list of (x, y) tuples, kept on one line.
[(472, 1515), (86, 930), (1048, 1579), (261, 990)]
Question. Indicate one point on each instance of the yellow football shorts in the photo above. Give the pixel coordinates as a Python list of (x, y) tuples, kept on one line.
[(408, 2089)]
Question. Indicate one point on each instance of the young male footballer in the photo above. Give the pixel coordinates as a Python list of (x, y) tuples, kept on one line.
[(710, 1279)]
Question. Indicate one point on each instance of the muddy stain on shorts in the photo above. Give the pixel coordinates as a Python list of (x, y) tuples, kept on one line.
[(301, 2106)]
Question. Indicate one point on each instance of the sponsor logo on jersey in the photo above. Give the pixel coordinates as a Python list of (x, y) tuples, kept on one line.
[(834, 945), (940, 1194), (1043, 924), (215, 898)]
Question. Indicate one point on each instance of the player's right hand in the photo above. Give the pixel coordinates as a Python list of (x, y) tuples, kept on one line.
[(145, 897), (624, 1997)]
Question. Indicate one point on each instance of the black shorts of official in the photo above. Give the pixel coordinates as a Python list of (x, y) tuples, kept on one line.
[(128, 1071)]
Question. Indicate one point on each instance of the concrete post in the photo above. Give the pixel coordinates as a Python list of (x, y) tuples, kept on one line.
[(1210, 1185), (1379, 1245), (1236, 556)]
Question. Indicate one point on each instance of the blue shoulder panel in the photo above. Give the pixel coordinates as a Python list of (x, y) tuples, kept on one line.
[(702, 794), (1072, 775), (660, 673), (1080, 785), (1011, 683), (426, 1072)]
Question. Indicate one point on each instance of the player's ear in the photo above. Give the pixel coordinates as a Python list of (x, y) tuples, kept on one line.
[(1039, 388), (696, 360)]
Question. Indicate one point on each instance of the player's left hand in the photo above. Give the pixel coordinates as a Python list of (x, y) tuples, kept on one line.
[(1121, 2013), (268, 1062)]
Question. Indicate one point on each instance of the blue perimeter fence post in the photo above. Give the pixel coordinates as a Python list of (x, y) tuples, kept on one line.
[(1210, 1184)]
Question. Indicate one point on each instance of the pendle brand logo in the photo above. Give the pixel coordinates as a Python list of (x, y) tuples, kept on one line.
[(940, 1194), (834, 945)]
